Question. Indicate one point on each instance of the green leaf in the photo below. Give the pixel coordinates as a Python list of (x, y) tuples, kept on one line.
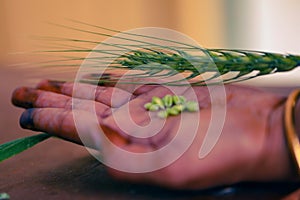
[(15, 147), (4, 196)]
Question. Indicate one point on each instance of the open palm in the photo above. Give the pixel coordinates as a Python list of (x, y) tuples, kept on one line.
[(250, 143)]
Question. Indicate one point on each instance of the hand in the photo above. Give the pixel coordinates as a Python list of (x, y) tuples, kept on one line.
[(251, 146)]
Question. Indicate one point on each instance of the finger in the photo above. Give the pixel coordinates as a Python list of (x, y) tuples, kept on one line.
[(110, 96), (28, 98), (132, 85), (60, 122), (55, 121)]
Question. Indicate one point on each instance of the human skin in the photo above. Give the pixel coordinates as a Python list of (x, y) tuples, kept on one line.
[(297, 117), (251, 146)]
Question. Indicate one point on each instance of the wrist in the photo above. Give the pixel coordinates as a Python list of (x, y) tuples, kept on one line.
[(280, 162), (274, 160), (290, 125)]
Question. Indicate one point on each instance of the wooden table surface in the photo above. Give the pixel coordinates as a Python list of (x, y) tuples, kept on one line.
[(56, 169)]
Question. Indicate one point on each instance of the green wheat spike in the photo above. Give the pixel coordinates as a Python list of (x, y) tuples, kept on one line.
[(224, 61), (153, 60)]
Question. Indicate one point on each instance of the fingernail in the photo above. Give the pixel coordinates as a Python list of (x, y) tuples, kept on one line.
[(102, 76), (24, 97), (51, 85), (102, 79), (56, 84), (26, 119)]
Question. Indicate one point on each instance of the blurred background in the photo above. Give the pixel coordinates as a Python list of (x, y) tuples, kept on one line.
[(270, 25)]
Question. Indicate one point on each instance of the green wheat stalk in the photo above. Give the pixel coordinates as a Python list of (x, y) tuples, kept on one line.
[(19, 145)]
